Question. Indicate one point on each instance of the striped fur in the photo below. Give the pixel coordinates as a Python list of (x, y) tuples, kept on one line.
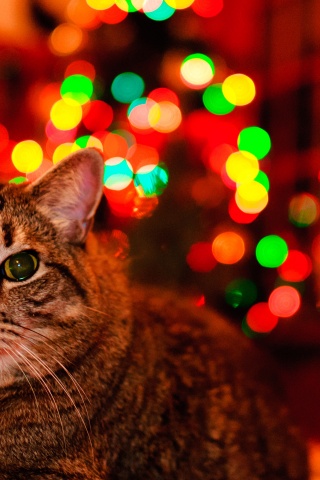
[(103, 380)]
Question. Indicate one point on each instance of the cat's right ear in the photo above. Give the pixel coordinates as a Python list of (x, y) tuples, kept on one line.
[(69, 193)]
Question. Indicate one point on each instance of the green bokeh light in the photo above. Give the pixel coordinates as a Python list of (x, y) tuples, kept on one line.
[(214, 100), (77, 87), (263, 179), (154, 181), (163, 12), (127, 86), (254, 140), (271, 251), (241, 292)]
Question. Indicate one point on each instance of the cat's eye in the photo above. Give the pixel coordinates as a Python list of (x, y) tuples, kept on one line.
[(20, 266)]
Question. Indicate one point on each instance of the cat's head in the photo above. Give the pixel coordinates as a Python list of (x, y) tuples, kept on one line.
[(49, 294)]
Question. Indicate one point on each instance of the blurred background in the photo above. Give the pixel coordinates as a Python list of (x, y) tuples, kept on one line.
[(207, 112)]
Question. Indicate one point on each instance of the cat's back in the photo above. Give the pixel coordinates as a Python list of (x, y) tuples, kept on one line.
[(214, 395)]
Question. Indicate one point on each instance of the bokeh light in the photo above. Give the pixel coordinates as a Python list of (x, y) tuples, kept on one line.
[(214, 100), (77, 87), (303, 210), (161, 13), (151, 180), (197, 70), (179, 4), (127, 86), (97, 115), (207, 8), (66, 115), (239, 89), (242, 167), (66, 38), (164, 116), (271, 251), (241, 292), (80, 13), (200, 257), (61, 152), (260, 319), (228, 247), (81, 67), (100, 4), (296, 268), (27, 156), (254, 140), (118, 173), (251, 197), (284, 301)]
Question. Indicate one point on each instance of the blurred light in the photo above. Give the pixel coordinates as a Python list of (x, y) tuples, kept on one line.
[(4, 137), (263, 179), (66, 39), (141, 156), (118, 173), (296, 268), (271, 251), (200, 257), (66, 115), (18, 180), (251, 197), (228, 247), (214, 100), (284, 301), (238, 215), (242, 167), (164, 94), (114, 145), (127, 87), (100, 4), (81, 67), (241, 293), (151, 180), (161, 13), (164, 117), (57, 136), (303, 210), (97, 115), (78, 88), (112, 15), (254, 140), (207, 8), (87, 141), (27, 156), (315, 249), (219, 156), (80, 13), (179, 4), (139, 113), (61, 152), (239, 89), (197, 70), (127, 5), (260, 319), (43, 100), (144, 206)]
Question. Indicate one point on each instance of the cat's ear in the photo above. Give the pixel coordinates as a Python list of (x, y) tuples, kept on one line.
[(70, 192)]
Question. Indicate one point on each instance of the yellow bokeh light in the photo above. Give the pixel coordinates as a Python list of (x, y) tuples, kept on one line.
[(65, 39), (179, 4), (61, 152), (100, 4), (27, 156), (242, 167), (196, 72), (239, 89), (228, 247), (66, 115), (165, 117), (251, 197)]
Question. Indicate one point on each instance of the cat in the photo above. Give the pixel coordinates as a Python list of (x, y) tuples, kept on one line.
[(103, 379)]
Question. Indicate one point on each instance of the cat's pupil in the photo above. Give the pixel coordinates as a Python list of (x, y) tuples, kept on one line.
[(20, 266)]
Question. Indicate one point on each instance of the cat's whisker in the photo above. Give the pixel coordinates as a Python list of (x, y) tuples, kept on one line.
[(43, 383), (23, 373), (97, 311), (63, 387)]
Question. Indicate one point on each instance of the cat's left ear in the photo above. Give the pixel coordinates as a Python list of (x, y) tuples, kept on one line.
[(70, 192)]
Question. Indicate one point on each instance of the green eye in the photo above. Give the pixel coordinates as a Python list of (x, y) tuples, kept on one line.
[(20, 266)]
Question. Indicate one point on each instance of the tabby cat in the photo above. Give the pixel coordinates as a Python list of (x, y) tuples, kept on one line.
[(100, 379)]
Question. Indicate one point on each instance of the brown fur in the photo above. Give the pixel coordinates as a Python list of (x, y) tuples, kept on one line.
[(103, 380)]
